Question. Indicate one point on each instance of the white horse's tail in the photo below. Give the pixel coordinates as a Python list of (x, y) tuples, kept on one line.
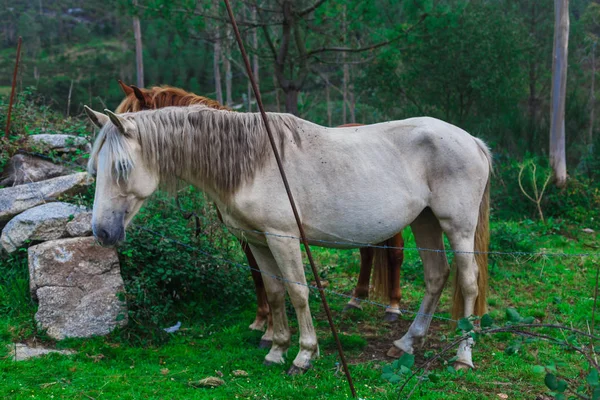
[(482, 241)]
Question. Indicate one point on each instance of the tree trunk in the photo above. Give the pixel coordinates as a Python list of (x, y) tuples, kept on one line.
[(590, 138), (328, 104), (352, 105), (291, 101), (217, 58), (346, 71), (139, 57), (559, 86), (69, 98), (227, 66), (254, 59), (276, 86)]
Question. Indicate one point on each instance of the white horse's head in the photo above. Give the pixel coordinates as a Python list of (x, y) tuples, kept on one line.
[(123, 179)]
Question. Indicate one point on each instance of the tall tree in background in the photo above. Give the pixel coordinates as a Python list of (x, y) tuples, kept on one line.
[(302, 39), (139, 56), (217, 58), (558, 159)]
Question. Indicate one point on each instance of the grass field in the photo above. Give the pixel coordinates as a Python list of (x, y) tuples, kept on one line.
[(551, 289)]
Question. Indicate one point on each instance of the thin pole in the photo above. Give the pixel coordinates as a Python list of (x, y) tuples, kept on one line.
[(595, 299), (14, 84), (291, 198)]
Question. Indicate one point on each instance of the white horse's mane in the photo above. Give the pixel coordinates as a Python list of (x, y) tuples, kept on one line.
[(222, 147)]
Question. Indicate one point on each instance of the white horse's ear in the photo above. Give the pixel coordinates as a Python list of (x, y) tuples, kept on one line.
[(118, 121), (97, 118)]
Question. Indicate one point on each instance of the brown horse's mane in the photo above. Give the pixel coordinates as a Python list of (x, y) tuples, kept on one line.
[(164, 96)]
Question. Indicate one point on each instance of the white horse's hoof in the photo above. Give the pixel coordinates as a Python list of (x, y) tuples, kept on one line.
[(461, 366), (395, 352)]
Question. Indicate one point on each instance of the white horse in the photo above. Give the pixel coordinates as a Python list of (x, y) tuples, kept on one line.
[(358, 184)]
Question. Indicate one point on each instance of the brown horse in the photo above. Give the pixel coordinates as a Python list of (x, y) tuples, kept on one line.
[(387, 260)]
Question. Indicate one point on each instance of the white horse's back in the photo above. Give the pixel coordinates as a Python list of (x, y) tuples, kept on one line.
[(364, 184)]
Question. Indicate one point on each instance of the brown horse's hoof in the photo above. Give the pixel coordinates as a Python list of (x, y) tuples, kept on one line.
[(295, 370), (461, 366), (394, 352), (390, 317), (265, 344)]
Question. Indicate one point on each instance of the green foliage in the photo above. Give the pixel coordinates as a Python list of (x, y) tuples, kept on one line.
[(523, 335), (167, 282), (577, 202), (399, 369)]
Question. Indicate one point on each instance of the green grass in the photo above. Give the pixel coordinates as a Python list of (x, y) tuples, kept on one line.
[(554, 290)]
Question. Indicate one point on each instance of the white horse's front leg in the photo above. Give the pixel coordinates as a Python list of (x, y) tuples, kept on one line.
[(276, 295), (289, 259)]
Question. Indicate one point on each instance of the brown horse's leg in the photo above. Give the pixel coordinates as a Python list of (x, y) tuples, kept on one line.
[(262, 309), (396, 257), (263, 314), (362, 287)]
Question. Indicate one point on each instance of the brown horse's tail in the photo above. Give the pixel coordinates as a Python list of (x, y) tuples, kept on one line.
[(381, 272), (482, 241)]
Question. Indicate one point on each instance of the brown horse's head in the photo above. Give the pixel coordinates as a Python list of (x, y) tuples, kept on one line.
[(137, 99)]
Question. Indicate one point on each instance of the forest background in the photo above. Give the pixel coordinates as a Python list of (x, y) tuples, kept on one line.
[(483, 65)]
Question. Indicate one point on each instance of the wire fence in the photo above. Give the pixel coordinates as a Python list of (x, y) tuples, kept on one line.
[(334, 243), (338, 243)]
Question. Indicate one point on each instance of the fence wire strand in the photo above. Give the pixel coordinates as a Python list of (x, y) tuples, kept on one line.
[(313, 288), (348, 243)]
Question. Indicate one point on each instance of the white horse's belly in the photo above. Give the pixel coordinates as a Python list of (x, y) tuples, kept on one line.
[(364, 222), (332, 214)]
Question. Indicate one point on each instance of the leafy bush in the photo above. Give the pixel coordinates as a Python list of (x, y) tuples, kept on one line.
[(167, 281), (577, 203), (510, 237)]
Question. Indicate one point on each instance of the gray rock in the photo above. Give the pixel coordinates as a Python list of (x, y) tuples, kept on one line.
[(81, 225), (22, 352), (14, 200), (77, 284), (58, 142), (25, 168), (44, 222)]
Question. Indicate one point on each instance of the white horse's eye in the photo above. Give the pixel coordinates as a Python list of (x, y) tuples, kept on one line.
[(122, 169)]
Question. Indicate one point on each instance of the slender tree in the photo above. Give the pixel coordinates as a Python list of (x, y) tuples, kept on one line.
[(217, 59), (139, 57), (559, 89)]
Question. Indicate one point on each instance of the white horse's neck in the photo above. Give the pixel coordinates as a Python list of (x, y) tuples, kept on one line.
[(216, 150)]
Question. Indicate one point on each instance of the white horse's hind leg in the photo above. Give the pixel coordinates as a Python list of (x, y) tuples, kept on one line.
[(276, 295), (466, 268), (428, 235)]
